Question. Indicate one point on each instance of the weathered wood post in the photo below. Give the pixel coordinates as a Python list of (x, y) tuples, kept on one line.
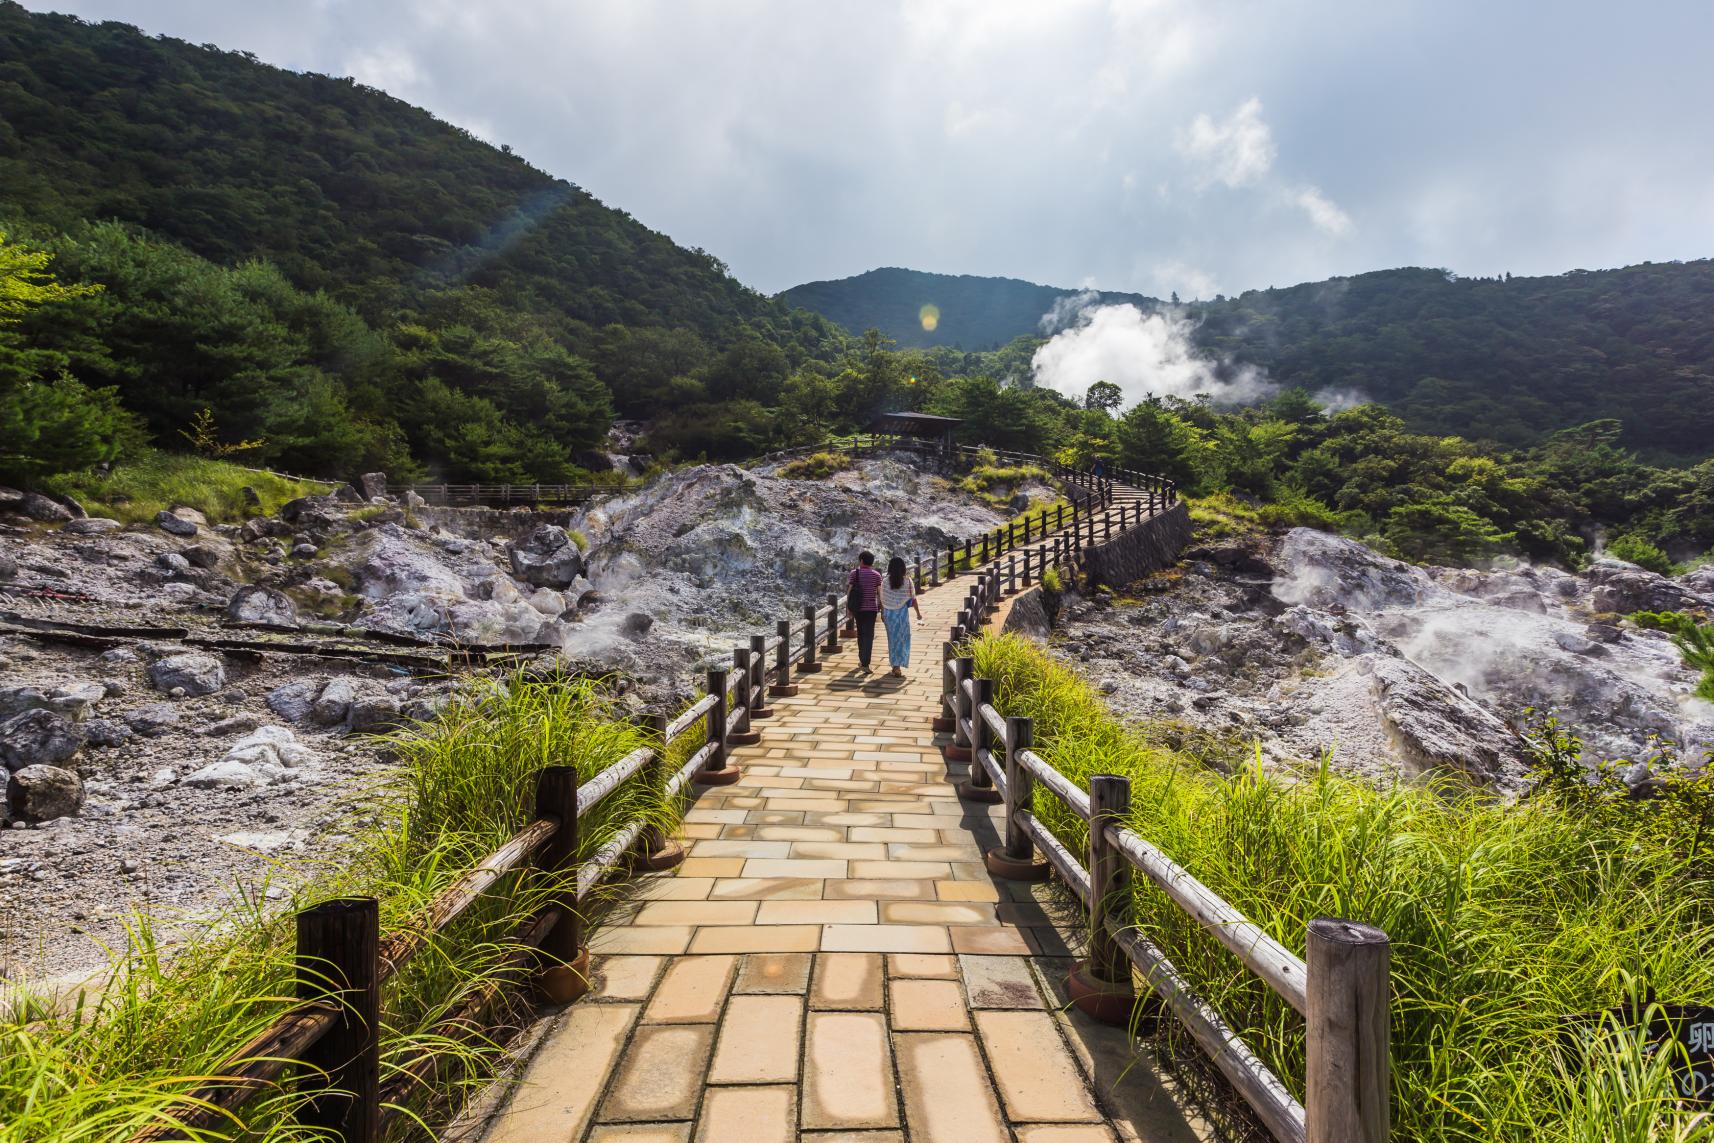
[(807, 664), (934, 569), (967, 552), (1101, 986), (1348, 1079), (740, 732), (1107, 526), (916, 578), (338, 959), (984, 547), (979, 786), (831, 646), (1027, 581), (1016, 860), (946, 720), (783, 686), (655, 850), (1012, 573), (716, 772), (951, 560), (959, 750), (565, 975), (758, 702)]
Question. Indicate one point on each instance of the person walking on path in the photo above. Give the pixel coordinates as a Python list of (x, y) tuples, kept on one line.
[(898, 597), (863, 600)]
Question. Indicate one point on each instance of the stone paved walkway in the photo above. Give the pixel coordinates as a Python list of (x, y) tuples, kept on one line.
[(833, 962)]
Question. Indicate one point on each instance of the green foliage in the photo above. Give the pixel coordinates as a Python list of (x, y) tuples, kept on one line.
[(129, 1056), (997, 483), (1050, 581), (134, 491), (1633, 549), (578, 539), (62, 426), (816, 466), (1505, 919), (1694, 640)]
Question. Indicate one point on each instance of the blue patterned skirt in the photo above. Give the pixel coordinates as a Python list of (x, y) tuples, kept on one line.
[(898, 623)]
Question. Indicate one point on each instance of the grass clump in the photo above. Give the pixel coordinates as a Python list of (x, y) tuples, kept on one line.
[(816, 466), (1510, 924), (996, 483), (128, 1057), (1694, 640), (578, 539), (134, 491)]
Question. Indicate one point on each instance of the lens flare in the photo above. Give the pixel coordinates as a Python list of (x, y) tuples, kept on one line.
[(930, 316)]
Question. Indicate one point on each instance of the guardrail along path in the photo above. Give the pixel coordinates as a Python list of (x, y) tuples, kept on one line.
[(832, 955)]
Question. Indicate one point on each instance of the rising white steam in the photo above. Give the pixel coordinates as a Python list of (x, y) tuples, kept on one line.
[(1144, 355), (1067, 310), (1338, 400)]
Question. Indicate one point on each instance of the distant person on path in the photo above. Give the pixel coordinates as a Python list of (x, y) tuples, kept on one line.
[(1100, 468), (863, 598), (898, 597)]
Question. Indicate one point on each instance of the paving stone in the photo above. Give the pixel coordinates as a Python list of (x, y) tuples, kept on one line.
[(624, 977), (999, 982), (966, 891), (660, 939), (853, 1137), (847, 980), (847, 1071), (558, 1089), (1064, 1133), (1038, 1080), (767, 889), (885, 938), (789, 867), (696, 913), (660, 1075), (928, 870), (997, 941), (872, 888), (712, 867), (801, 833), (929, 1006), (839, 851), (748, 1115), (947, 1095), (663, 888), (936, 966), (692, 991), (742, 849), (779, 973), (641, 1133), (756, 938), (817, 913), (931, 913), (759, 1041)]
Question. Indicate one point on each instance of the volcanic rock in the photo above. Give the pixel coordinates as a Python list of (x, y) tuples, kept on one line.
[(196, 672), (546, 558), (38, 738), (42, 793), (255, 604)]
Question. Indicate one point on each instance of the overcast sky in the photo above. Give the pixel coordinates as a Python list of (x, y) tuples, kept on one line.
[(1201, 146)]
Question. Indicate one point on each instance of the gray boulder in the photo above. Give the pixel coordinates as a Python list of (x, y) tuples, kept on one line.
[(175, 523), (172, 563), (1624, 588), (196, 672), (153, 720), (546, 558), (372, 713), (73, 700), (39, 507), (312, 512), (91, 526), (334, 703), (1330, 572), (8, 566), (10, 499), (202, 555), (295, 701), (107, 732), (43, 793), (255, 604), (1437, 726), (38, 738), (372, 484), (346, 494)]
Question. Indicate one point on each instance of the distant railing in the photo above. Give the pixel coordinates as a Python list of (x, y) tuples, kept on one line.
[(1341, 987), (493, 495)]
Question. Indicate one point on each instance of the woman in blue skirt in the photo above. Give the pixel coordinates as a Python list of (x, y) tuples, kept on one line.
[(898, 597)]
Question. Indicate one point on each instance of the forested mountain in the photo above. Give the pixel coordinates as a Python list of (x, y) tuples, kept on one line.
[(1504, 359), (968, 313), (355, 253)]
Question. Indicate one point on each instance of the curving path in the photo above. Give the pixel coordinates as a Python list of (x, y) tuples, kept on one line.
[(833, 962)]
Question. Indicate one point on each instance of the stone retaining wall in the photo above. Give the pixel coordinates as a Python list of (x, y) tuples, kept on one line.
[(1028, 614), (1153, 545)]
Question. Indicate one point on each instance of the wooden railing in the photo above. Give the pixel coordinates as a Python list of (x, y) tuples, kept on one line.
[(1340, 986), (450, 495)]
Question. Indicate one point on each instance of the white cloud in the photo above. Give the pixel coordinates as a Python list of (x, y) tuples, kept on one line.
[(1185, 280), (1237, 152), (1323, 211), (1144, 355)]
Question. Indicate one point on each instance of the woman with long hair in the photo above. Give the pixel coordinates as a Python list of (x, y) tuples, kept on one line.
[(898, 597)]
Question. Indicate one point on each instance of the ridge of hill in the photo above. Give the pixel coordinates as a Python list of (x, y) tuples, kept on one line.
[(971, 313), (1509, 359)]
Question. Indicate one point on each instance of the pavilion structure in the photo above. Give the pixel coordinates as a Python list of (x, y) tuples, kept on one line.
[(923, 426)]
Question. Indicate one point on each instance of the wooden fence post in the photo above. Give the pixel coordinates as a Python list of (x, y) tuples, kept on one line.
[(655, 850), (951, 560), (1348, 1078), (831, 647), (1012, 573), (807, 665), (934, 569), (338, 959), (916, 578), (959, 749), (1101, 986), (758, 703), (1016, 860), (984, 547), (783, 686), (1027, 580), (715, 772), (967, 552), (979, 786), (739, 732), (947, 719), (565, 976)]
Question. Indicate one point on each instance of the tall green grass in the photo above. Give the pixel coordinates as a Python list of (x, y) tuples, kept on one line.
[(135, 490), (133, 1050), (1510, 924)]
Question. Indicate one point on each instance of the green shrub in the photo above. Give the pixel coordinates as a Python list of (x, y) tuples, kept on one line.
[(61, 426), (1695, 641), (816, 466), (1509, 923), (1634, 549), (137, 490), (1050, 580), (578, 539)]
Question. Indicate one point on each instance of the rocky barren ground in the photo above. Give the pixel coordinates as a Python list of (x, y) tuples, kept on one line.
[(146, 767), (1309, 643)]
